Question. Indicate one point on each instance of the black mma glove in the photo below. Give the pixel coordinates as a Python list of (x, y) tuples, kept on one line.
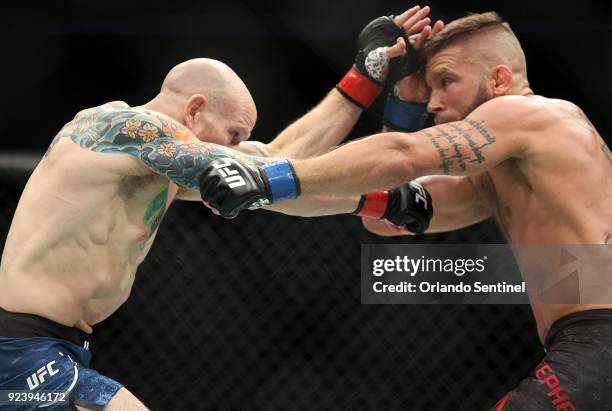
[(408, 205), (231, 186), (365, 80)]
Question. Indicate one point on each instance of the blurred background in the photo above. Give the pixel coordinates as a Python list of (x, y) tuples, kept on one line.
[(263, 312)]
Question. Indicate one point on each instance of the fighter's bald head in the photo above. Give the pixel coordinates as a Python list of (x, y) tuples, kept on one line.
[(211, 78), (485, 40)]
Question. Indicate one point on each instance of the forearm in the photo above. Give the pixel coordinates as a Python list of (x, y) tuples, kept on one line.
[(277, 183), (379, 162), (458, 203), (325, 126), (183, 163), (314, 206), (383, 39)]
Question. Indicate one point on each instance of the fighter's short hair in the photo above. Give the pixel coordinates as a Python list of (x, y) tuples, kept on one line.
[(464, 27)]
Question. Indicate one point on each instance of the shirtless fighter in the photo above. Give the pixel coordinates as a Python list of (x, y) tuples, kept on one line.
[(91, 208), (535, 164)]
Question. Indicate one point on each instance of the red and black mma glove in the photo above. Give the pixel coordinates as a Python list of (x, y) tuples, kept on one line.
[(408, 205), (364, 81)]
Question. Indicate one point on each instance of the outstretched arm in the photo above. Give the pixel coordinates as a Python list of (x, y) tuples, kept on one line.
[(498, 130), (490, 135)]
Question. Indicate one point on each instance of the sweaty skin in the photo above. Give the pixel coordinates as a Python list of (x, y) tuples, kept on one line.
[(537, 165), (92, 207), (91, 210), (546, 179), (557, 195)]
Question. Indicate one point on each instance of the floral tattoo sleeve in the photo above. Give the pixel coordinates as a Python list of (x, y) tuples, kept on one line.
[(155, 140)]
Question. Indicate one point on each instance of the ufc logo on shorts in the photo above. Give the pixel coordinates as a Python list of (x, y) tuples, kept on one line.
[(229, 175), (38, 377), (420, 196)]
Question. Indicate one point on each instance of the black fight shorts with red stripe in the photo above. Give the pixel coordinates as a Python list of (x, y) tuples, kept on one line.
[(576, 372)]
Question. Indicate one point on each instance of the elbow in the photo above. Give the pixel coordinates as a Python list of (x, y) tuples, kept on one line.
[(399, 159), (403, 170)]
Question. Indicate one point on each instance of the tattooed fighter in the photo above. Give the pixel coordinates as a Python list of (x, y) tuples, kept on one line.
[(535, 164), (92, 207)]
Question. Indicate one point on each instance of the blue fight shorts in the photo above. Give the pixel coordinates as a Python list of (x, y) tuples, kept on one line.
[(39, 355)]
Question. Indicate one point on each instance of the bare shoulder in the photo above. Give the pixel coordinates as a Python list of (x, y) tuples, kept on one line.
[(521, 113), (85, 140), (532, 122)]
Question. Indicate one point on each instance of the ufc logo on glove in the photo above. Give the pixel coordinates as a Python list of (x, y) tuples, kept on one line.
[(420, 196), (229, 175)]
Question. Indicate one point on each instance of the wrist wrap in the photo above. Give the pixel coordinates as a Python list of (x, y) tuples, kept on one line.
[(373, 205), (358, 88), (403, 115), (282, 180)]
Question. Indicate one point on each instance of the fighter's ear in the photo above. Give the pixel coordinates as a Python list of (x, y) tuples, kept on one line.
[(193, 108), (502, 80)]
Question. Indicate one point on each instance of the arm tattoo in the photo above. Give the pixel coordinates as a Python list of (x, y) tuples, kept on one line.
[(79, 124), (152, 138), (445, 164), (453, 140)]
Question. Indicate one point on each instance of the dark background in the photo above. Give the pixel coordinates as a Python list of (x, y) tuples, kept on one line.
[(263, 312), (61, 57)]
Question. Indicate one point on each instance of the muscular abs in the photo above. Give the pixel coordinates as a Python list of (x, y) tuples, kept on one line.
[(92, 207), (85, 221)]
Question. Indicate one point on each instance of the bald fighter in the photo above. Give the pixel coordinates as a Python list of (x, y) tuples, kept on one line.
[(535, 164), (92, 207)]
